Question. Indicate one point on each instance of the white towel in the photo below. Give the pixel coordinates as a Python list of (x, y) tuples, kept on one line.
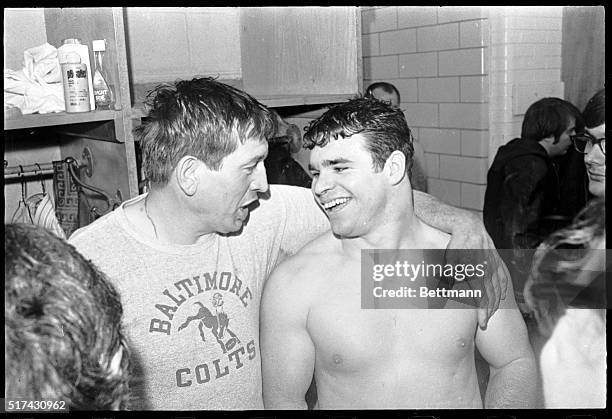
[(37, 88)]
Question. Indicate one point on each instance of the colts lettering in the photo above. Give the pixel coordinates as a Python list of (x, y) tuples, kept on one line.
[(204, 373)]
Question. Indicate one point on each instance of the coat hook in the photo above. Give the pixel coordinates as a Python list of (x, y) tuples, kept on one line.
[(23, 184), (40, 177)]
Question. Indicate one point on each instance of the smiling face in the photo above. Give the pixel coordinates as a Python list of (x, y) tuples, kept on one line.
[(595, 162), (346, 186), (227, 193)]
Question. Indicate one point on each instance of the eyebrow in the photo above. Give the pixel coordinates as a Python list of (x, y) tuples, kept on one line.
[(255, 159), (327, 163)]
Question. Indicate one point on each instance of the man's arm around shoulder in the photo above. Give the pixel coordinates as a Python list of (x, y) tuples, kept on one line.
[(287, 351)]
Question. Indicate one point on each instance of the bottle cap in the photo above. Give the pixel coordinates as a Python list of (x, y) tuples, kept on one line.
[(99, 45), (73, 58)]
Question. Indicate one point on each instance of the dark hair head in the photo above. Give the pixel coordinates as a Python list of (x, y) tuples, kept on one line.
[(549, 116), (566, 269), (595, 110), (202, 118), (383, 126), (386, 87), (62, 325)]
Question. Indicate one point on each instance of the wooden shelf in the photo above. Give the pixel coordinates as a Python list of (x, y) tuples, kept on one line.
[(299, 100), (277, 101), (59, 118)]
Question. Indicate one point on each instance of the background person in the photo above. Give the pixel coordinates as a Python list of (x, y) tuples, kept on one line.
[(281, 167), (62, 325), (567, 292), (521, 206), (593, 143)]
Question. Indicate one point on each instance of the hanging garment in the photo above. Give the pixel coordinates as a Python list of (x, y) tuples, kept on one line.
[(23, 213), (44, 215), (67, 197), (38, 209)]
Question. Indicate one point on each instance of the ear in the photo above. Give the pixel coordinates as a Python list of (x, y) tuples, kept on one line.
[(395, 167), (187, 174)]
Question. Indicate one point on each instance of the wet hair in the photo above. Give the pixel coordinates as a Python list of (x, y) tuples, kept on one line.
[(595, 110), (566, 269), (386, 87), (203, 118), (62, 325), (549, 116), (384, 127)]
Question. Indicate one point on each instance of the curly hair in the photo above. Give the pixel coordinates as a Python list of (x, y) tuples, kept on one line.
[(384, 127), (568, 270), (62, 325), (595, 110), (203, 118)]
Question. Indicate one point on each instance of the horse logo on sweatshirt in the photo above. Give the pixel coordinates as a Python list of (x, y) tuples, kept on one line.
[(218, 323)]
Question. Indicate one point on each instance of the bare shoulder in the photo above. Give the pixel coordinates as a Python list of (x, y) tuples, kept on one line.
[(302, 270)]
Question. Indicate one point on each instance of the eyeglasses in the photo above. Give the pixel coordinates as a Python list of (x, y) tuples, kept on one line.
[(583, 143)]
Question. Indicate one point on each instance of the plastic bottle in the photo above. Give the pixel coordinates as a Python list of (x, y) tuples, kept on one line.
[(74, 45), (103, 90), (76, 88)]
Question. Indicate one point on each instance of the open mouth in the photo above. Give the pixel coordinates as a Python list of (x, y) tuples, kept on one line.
[(335, 205), (243, 210)]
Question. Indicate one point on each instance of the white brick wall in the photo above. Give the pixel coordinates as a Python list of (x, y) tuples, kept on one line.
[(455, 67), (398, 42), (525, 49), (441, 141), (438, 37), (438, 89)]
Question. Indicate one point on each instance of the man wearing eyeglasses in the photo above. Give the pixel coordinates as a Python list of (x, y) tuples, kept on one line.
[(522, 200), (592, 143)]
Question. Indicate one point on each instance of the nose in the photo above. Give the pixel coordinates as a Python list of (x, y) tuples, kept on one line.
[(594, 155), (321, 184), (260, 179)]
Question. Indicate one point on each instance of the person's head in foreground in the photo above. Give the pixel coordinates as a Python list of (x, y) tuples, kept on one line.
[(62, 325), (592, 143), (361, 155), (384, 91), (205, 142), (551, 122)]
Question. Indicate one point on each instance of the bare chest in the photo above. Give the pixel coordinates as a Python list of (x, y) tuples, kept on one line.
[(351, 339)]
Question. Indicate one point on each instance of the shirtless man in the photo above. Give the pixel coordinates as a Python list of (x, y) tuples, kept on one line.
[(312, 320)]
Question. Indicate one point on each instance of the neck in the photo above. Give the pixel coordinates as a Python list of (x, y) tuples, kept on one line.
[(171, 220), (398, 228)]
